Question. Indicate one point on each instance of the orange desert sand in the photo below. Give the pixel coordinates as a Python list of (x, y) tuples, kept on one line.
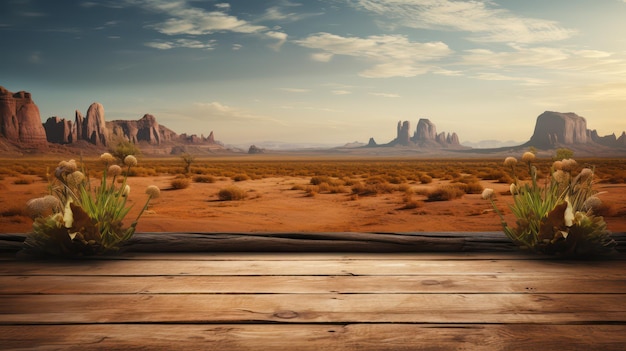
[(271, 206)]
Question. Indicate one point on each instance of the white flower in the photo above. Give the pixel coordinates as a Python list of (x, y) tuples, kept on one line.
[(153, 191), (569, 164), (559, 176), (513, 189), (75, 178), (130, 161), (107, 158), (584, 175), (114, 170), (68, 216), (569, 214), (36, 207), (510, 161), (487, 193), (528, 157), (593, 203), (126, 190), (557, 165), (52, 203)]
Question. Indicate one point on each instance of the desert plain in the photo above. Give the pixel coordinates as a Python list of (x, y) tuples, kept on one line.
[(309, 193)]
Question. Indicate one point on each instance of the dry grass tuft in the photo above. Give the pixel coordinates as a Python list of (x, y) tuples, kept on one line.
[(445, 193), (231, 193), (180, 183), (201, 178), (23, 181)]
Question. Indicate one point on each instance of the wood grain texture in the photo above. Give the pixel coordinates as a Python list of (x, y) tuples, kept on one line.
[(314, 337), (313, 301)]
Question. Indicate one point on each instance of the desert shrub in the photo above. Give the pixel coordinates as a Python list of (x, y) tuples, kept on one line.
[(397, 180), (405, 187), (445, 193), (180, 183), (425, 179), (231, 193), (615, 178), (311, 190), (201, 178), (23, 181), (317, 180), (298, 187), (370, 189), (240, 177), (410, 203), (347, 181), (563, 153), (14, 211), (469, 184), (124, 148), (187, 161), (141, 172), (323, 187)]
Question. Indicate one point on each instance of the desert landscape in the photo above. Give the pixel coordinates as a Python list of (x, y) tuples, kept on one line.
[(308, 193)]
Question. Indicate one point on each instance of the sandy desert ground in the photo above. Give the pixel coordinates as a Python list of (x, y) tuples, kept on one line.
[(272, 206)]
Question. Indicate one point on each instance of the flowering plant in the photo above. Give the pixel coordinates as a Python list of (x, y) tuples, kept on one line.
[(76, 219), (559, 217)]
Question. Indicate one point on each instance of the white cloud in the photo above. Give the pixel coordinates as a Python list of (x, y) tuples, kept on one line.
[(223, 6), (295, 90), (181, 43), (554, 59), (275, 13), (322, 56), (236, 47), (341, 92), (484, 19), (185, 19), (386, 95), (394, 55), (501, 77)]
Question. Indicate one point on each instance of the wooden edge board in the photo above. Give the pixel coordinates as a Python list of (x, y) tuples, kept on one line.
[(312, 242)]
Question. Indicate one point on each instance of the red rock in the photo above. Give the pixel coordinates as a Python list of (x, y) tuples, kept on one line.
[(20, 120)]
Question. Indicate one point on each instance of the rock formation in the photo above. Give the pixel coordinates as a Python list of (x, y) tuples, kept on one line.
[(92, 128), (255, 150), (425, 136), (371, 143), (59, 130), (404, 137), (426, 130), (20, 121), (146, 129), (555, 128)]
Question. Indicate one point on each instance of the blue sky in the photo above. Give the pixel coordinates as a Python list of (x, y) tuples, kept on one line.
[(326, 71)]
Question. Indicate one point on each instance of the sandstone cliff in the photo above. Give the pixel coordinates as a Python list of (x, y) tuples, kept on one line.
[(556, 129), (20, 121), (21, 128)]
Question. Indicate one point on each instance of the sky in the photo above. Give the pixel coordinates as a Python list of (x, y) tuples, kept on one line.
[(321, 71)]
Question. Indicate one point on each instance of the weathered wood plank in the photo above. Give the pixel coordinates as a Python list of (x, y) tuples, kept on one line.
[(314, 308), (361, 337), (306, 267), (469, 284), (313, 242)]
